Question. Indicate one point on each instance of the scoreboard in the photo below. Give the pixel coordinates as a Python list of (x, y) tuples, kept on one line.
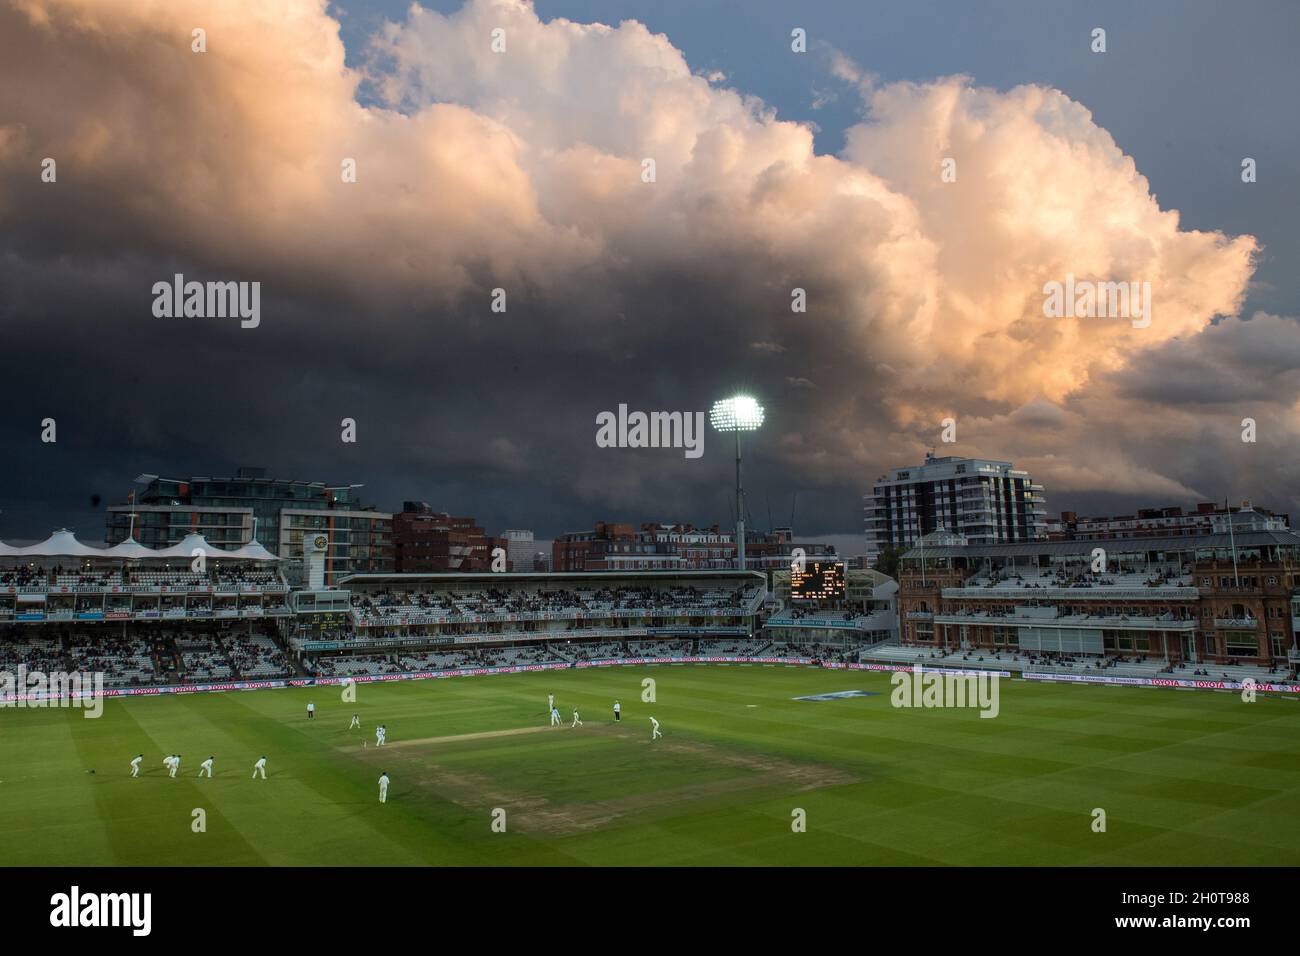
[(818, 581)]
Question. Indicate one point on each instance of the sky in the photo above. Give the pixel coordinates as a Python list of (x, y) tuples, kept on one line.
[(918, 174)]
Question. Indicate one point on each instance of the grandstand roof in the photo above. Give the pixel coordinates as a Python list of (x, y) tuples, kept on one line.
[(186, 547), (1201, 542), (483, 577), (130, 550), (64, 544)]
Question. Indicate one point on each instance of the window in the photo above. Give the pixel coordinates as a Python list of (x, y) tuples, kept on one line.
[(1240, 644)]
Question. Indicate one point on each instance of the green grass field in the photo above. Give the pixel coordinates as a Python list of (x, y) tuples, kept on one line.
[(1184, 777)]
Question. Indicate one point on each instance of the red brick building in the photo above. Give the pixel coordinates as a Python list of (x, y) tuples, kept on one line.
[(1194, 598), (425, 540), (675, 547)]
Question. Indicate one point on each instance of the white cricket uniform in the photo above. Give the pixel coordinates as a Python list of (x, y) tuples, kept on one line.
[(555, 716), (654, 729), (260, 766), (356, 721), (576, 721), (205, 768), (380, 734), (172, 764), (550, 701), (311, 710), (135, 767), (617, 710), (383, 788)]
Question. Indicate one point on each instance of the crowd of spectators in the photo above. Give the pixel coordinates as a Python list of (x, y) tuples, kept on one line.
[(558, 601)]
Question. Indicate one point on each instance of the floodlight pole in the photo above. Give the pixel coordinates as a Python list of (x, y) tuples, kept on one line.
[(740, 511)]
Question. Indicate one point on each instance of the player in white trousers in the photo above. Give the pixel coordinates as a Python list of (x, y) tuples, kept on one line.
[(555, 716), (205, 768), (576, 721), (356, 721), (383, 787), (135, 766), (654, 729), (381, 734), (260, 766), (618, 711)]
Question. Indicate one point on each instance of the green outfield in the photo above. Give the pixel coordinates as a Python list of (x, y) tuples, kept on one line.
[(1184, 777)]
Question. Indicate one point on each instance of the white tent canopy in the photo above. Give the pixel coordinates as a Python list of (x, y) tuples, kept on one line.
[(253, 551), (64, 544), (130, 550)]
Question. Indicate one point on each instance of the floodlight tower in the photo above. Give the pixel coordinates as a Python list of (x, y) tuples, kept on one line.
[(738, 414)]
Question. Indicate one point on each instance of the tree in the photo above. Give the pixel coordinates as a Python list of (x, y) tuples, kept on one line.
[(887, 561)]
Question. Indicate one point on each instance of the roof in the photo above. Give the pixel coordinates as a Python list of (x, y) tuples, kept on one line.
[(64, 544), (483, 577)]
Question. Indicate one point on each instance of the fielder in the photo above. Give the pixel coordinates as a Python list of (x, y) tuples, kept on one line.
[(260, 766), (555, 716), (654, 729), (311, 710), (174, 763), (206, 768), (356, 721), (576, 721), (381, 732), (383, 787), (135, 766), (550, 701)]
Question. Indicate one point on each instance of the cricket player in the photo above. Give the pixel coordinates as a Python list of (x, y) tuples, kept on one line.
[(383, 787), (174, 762), (311, 710), (167, 761), (356, 721), (381, 732), (550, 701), (206, 768), (555, 716), (260, 766), (135, 766), (618, 711), (576, 721), (654, 729)]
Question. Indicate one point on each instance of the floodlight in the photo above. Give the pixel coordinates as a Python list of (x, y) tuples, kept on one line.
[(739, 414)]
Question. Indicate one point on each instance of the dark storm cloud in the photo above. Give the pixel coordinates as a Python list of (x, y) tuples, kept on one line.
[(524, 172)]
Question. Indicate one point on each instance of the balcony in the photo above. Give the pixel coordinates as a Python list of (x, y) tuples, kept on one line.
[(1240, 623), (920, 615), (1091, 621)]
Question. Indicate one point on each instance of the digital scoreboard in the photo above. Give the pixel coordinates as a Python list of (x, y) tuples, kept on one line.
[(818, 581)]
